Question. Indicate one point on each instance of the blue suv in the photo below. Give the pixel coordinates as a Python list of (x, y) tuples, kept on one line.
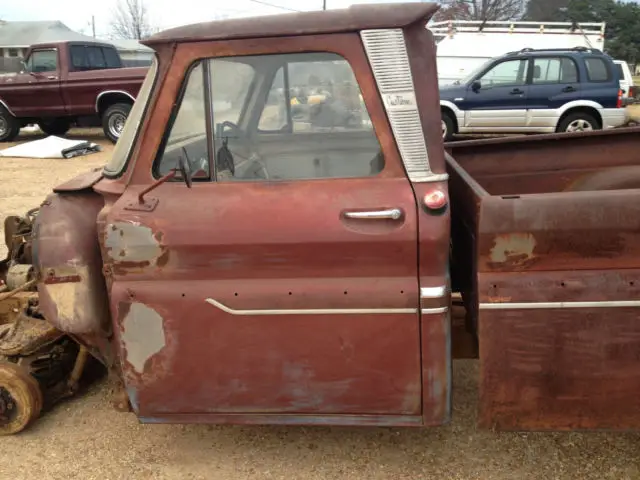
[(536, 91)]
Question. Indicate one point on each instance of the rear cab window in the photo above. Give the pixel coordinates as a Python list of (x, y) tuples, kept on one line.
[(93, 57), (272, 118), (598, 70)]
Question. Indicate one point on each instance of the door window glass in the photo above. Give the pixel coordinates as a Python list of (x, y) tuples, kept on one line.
[(274, 117), (43, 61), (508, 73), (554, 70), (311, 123), (188, 134)]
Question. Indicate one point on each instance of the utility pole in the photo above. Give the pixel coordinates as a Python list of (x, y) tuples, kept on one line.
[(93, 25), (324, 4)]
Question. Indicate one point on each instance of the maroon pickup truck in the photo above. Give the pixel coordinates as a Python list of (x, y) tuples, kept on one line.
[(65, 82)]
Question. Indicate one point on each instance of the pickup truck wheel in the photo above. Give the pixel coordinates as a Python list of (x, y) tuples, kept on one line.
[(114, 119), (56, 126), (9, 126), (448, 127), (578, 122)]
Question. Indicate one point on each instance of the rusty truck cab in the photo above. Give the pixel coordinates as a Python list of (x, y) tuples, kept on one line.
[(302, 278)]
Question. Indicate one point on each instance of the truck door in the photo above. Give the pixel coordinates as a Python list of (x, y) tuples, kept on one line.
[(285, 281), (500, 102), (37, 92)]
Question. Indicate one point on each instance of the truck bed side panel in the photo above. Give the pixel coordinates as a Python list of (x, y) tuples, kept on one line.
[(559, 330)]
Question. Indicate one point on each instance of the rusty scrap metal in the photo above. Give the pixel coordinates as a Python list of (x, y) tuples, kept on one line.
[(19, 274), (20, 398)]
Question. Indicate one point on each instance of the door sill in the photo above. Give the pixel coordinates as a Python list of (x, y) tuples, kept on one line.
[(270, 419)]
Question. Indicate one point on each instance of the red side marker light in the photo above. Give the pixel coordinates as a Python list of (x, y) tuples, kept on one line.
[(435, 200)]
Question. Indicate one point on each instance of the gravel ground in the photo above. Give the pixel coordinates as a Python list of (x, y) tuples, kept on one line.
[(85, 438)]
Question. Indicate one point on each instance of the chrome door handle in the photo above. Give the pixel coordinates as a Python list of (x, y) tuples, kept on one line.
[(393, 214), (51, 77)]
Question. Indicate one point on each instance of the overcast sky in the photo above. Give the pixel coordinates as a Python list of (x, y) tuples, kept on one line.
[(76, 14)]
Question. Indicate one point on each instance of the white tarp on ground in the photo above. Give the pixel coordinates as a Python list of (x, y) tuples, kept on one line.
[(51, 147)]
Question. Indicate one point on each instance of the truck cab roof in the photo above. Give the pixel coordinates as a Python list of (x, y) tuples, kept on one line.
[(354, 18)]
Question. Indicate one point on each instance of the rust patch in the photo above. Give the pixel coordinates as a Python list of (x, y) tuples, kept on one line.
[(66, 297), (513, 249), (143, 335), (132, 243)]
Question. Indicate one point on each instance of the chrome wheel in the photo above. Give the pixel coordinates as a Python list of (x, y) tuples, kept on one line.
[(116, 124), (4, 126), (444, 129), (580, 125)]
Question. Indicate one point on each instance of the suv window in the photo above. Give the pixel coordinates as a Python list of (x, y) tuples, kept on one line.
[(43, 61), (597, 70), (277, 117), (554, 70), (507, 73)]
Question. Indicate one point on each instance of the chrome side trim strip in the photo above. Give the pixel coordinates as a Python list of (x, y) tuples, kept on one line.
[(312, 311), (387, 53), (433, 292), (542, 305), (435, 177), (431, 311)]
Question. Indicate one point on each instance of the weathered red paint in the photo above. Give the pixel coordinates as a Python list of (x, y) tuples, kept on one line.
[(532, 238), (66, 245), (208, 286)]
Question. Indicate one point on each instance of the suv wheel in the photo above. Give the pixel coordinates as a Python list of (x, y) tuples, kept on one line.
[(448, 127), (578, 122)]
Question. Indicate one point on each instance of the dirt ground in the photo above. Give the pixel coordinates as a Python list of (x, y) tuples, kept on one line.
[(85, 438)]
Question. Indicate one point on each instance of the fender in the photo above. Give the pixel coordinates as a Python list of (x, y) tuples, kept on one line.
[(577, 104), (2, 102), (106, 92), (456, 111), (66, 255)]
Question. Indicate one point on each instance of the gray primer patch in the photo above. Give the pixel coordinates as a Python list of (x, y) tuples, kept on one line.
[(131, 243), (143, 335)]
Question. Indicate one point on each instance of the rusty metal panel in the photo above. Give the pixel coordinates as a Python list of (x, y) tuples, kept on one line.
[(357, 17), (81, 182), (72, 295), (550, 163), (565, 231), (561, 369), (166, 268)]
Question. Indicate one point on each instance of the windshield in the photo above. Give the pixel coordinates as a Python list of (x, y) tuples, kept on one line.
[(125, 142), (474, 72)]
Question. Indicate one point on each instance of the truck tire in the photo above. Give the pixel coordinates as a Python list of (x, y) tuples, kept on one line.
[(578, 122), (55, 126), (9, 125), (448, 127), (113, 120)]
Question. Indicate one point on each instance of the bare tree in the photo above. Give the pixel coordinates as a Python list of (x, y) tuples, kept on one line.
[(131, 20), (480, 9)]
